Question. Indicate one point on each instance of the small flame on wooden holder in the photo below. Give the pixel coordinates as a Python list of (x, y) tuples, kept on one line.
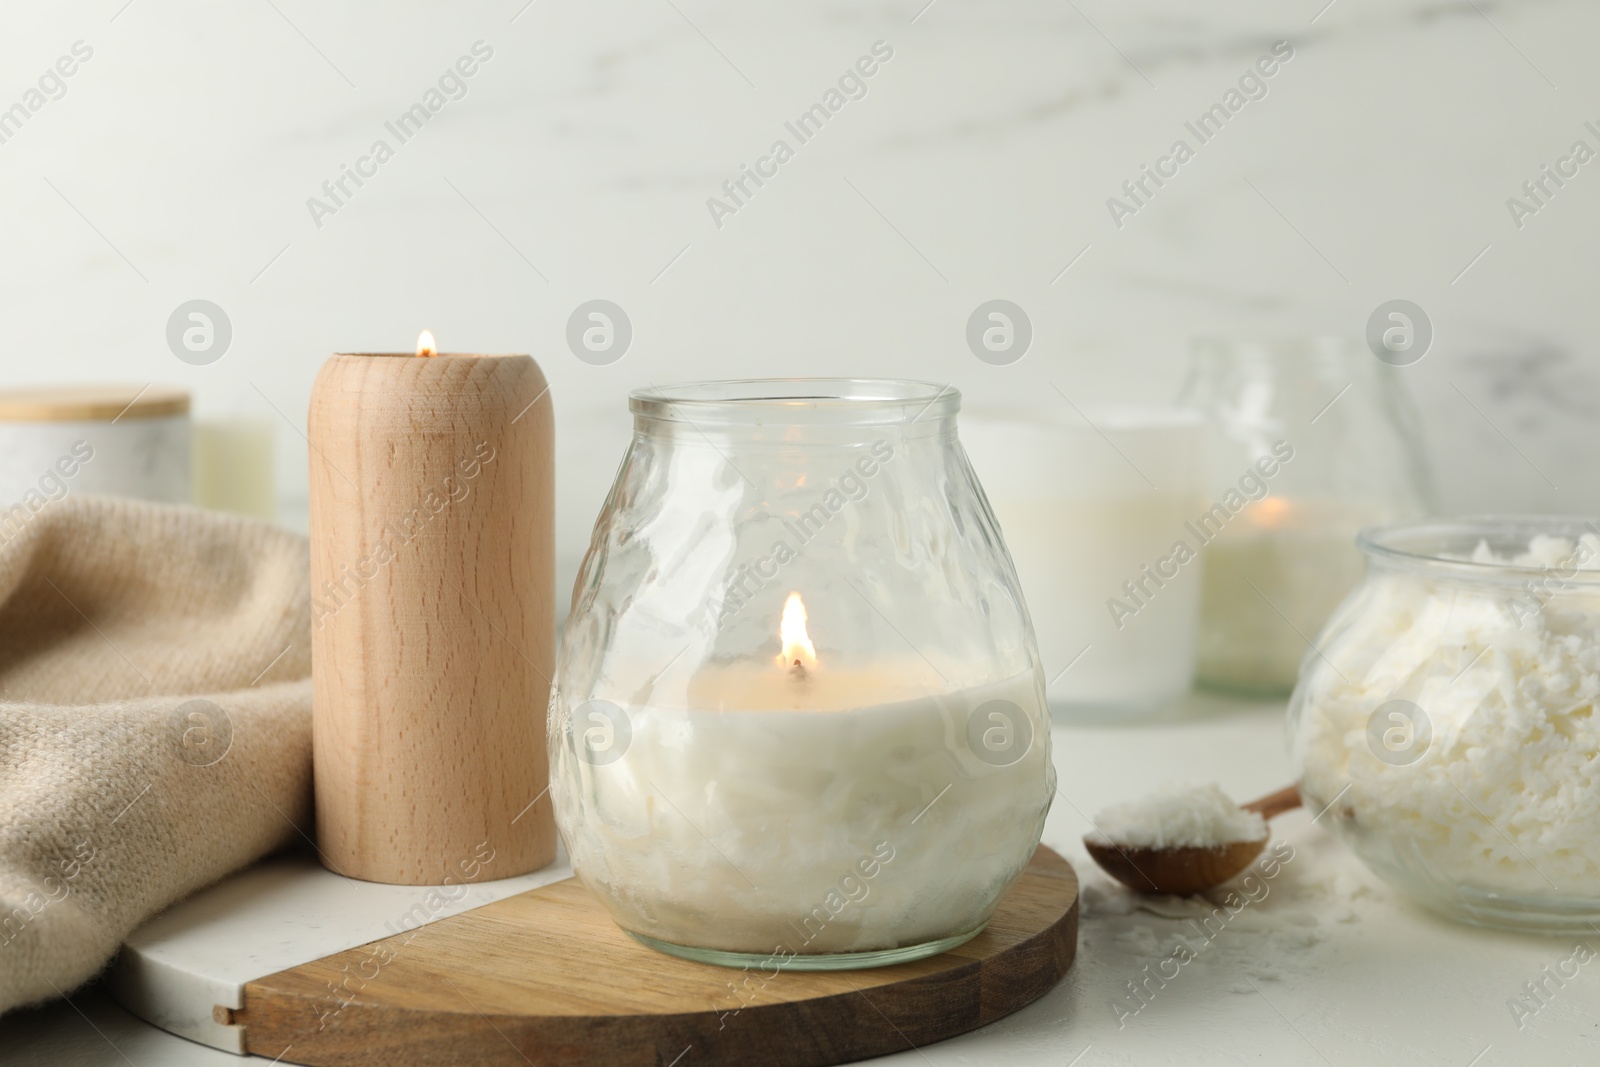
[(426, 346)]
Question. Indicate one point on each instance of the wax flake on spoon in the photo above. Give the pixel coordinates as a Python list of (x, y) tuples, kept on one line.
[(1180, 816)]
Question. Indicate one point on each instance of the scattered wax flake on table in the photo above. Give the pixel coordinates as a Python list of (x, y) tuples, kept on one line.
[(1140, 939), (1101, 897), (1265, 926), (1193, 816)]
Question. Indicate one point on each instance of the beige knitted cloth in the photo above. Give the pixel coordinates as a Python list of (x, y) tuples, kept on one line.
[(155, 730)]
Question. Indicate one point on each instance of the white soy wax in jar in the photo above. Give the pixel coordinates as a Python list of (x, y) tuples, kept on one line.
[(1447, 725), (801, 809)]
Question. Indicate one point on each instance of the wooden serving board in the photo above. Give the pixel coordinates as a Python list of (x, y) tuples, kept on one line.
[(546, 977)]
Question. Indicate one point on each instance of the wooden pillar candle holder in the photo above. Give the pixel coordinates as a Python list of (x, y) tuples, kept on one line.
[(433, 572)]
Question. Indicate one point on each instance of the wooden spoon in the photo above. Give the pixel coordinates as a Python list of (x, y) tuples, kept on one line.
[(1186, 869)]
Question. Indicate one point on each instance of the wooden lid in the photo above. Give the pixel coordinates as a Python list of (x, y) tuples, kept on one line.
[(91, 403)]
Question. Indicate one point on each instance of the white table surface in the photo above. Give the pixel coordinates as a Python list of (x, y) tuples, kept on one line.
[(1328, 968)]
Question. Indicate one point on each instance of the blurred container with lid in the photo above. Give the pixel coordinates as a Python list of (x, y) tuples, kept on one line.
[(126, 440)]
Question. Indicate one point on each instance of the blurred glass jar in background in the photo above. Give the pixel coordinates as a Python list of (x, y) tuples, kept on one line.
[(1339, 431), (1094, 508)]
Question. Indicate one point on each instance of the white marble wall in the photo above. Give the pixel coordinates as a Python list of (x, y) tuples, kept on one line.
[(179, 161)]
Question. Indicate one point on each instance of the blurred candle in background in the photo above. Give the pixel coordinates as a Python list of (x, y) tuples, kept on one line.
[(1093, 509), (1337, 428), (1272, 577), (234, 466)]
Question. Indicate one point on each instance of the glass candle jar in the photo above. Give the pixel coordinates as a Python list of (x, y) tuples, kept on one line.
[(1313, 439), (1447, 723), (798, 713)]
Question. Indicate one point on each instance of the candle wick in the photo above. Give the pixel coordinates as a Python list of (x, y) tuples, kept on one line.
[(798, 671)]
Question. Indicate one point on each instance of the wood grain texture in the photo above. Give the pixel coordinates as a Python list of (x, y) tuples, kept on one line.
[(546, 977), (433, 572)]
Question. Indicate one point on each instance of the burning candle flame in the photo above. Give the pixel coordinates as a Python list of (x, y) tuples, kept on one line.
[(798, 653), (426, 345), (1271, 512)]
